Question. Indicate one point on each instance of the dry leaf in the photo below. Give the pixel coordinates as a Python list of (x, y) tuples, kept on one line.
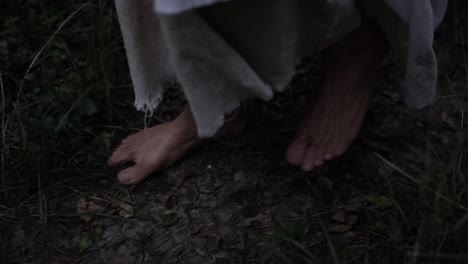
[(89, 238), (84, 207), (81, 205), (317, 239), (169, 217), (126, 210), (200, 252), (345, 218), (93, 207), (379, 226), (340, 216), (261, 218), (379, 200)]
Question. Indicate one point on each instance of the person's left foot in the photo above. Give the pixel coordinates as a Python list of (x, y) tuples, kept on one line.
[(156, 148), (331, 123)]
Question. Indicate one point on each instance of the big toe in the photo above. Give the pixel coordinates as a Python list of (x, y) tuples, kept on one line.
[(296, 151), (134, 175)]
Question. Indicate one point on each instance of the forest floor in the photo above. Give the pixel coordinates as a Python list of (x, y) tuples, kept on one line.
[(398, 195)]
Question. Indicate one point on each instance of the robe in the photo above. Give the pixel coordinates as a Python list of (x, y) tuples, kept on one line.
[(224, 52)]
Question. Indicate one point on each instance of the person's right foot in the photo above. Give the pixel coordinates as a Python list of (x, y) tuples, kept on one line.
[(330, 124), (156, 148)]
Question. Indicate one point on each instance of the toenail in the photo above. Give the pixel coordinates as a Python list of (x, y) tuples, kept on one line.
[(308, 167), (125, 178)]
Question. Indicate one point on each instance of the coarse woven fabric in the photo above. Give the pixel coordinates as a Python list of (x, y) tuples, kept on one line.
[(171, 7), (236, 50)]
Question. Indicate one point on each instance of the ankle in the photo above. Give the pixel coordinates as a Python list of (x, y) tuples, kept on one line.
[(184, 123)]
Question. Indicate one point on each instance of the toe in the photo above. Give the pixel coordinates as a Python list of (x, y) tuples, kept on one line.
[(309, 161), (341, 147), (320, 153), (329, 156), (296, 150), (121, 155), (330, 151), (133, 175)]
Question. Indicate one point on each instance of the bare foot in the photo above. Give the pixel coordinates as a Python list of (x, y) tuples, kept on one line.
[(330, 123), (156, 148)]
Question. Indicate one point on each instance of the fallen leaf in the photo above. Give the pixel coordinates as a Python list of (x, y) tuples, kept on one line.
[(261, 219), (89, 238), (345, 217), (339, 216), (116, 202), (87, 106), (379, 226), (379, 200), (221, 255), (339, 228), (126, 210), (239, 176), (317, 239), (81, 205), (200, 252), (85, 242), (169, 217), (106, 139), (93, 207), (85, 207)]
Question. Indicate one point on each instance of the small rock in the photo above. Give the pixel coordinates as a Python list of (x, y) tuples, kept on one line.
[(239, 176)]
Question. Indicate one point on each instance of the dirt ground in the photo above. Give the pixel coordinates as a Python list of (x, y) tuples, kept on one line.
[(238, 201)]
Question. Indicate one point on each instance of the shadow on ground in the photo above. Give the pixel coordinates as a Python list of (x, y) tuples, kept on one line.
[(237, 200)]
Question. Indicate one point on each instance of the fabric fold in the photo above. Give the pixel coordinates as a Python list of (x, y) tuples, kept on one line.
[(224, 52), (172, 7), (215, 78), (409, 27), (148, 59)]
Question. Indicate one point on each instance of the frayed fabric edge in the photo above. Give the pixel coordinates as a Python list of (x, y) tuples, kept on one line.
[(148, 105)]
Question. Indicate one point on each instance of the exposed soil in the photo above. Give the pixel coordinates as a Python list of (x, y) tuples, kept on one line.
[(236, 200)]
